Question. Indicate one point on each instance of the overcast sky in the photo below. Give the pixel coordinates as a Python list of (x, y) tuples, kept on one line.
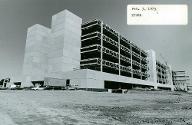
[(174, 43)]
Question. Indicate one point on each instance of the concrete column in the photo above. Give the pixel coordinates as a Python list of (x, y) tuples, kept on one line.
[(101, 46), (170, 80), (119, 53), (131, 60), (140, 60), (152, 67)]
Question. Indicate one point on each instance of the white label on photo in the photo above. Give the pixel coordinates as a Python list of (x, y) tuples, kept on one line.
[(154, 14)]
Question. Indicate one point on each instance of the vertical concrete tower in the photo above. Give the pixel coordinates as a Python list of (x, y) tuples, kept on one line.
[(152, 67), (51, 52), (160, 74), (36, 51), (170, 79), (65, 43)]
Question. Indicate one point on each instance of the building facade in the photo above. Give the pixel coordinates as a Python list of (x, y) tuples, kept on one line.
[(160, 73), (105, 50), (91, 55), (180, 80), (49, 52)]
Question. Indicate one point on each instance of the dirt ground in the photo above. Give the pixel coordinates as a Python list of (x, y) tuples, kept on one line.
[(89, 108)]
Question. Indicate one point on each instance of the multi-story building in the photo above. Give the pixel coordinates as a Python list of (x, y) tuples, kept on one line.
[(180, 80), (49, 52), (103, 49), (91, 55), (160, 73)]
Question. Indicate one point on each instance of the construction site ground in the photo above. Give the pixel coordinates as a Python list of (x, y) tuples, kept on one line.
[(48, 107)]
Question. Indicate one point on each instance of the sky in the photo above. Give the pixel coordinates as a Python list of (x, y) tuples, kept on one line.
[(173, 44)]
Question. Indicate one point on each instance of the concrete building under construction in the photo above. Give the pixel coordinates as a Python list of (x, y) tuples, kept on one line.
[(105, 50), (91, 55), (180, 80)]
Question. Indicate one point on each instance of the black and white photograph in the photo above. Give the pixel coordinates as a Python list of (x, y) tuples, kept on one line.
[(95, 62)]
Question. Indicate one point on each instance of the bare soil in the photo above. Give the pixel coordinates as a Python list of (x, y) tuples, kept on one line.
[(21, 107)]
